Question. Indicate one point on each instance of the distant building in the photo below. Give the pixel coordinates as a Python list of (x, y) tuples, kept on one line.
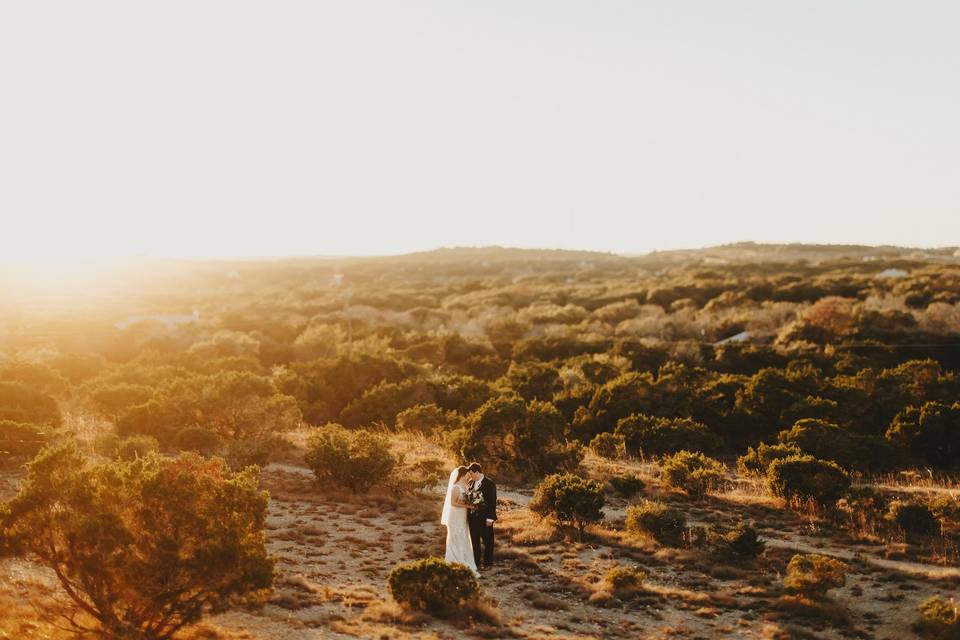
[(743, 336), (168, 320), (893, 273)]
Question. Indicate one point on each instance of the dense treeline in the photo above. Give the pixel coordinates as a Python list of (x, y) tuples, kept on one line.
[(520, 356)]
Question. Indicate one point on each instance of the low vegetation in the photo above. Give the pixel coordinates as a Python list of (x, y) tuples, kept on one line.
[(433, 585), (664, 524), (804, 477), (694, 473), (356, 460), (813, 575), (569, 499)]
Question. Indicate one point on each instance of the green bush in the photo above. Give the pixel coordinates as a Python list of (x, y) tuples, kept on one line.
[(145, 546), (756, 462), (254, 451), (694, 473), (627, 485), (427, 419), (106, 444), (23, 403), (137, 447), (813, 575), (913, 518), (199, 439), (649, 435), (20, 441), (624, 581), (931, 432), (939, 619), (356, 460), (806, 478), (570, 499), (828, 441), (739, 542), (517, 438), (608, 445), (664, 524), (432, 585)]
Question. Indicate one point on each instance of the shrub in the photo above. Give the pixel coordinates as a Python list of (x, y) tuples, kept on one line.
[(427, 419), (137, 447), (432, 585), (806, 478), (608, 445), (254, 451), (694, 473), (199, 439), (931, 432), (913, 518), (19, 441), (519, 438), (827, 441), (145, 546), (741, 541), (22, 403), (664, 524), (627, 485), (648, 435), (624, 581), (570, 499), (945, 509), (106, 444), (756, 462), (939, 619), (820, 439), (812, 575), (356, 460)]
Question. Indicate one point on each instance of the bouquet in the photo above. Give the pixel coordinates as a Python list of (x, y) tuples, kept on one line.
[(473, 497)]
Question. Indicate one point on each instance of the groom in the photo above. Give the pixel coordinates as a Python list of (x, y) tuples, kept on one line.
[(482, 518)]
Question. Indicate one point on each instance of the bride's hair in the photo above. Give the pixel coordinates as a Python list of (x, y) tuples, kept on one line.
[(460, 471)]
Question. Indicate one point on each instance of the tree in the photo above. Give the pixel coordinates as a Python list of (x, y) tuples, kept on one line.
[(533, 380), (932, 432), (647, 435), (145, 547), (515, 437), (20, 403), (34, 375), (114, 400), (239, 405)]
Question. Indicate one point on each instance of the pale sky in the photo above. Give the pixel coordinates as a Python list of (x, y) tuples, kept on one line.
[(200, 128)]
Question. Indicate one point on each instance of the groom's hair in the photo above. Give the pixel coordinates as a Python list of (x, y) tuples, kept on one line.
[(475, 467)]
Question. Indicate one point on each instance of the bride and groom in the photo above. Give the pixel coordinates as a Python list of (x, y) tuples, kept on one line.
[(469, 512)]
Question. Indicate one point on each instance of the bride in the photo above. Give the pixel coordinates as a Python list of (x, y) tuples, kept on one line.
[(459, 545)]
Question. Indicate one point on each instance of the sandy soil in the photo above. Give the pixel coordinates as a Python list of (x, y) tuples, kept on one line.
[(335, 550)]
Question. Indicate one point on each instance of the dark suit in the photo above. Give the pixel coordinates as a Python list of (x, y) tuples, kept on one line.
[(481, 534)]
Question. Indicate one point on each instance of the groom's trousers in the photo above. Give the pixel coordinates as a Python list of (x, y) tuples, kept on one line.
[(482, 537)]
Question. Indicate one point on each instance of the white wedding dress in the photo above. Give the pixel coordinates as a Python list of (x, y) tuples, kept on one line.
[(459, 545)]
